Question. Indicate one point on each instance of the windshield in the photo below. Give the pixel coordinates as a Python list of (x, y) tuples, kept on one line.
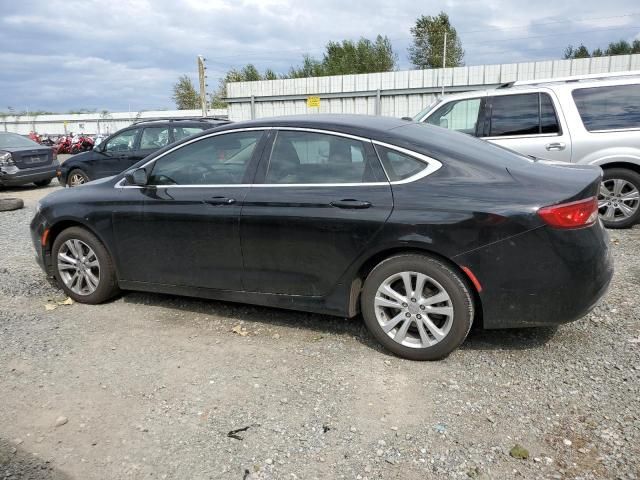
[(422, 113), (13, 140)]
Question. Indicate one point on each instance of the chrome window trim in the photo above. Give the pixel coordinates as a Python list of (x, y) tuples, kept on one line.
[(432, 165)]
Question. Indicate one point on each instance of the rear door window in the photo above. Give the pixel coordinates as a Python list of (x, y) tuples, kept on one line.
[(522, 114), (183, 132), (154, 138), (318, 158), (609, 108)]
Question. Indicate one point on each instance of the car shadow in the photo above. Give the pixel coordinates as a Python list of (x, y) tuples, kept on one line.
[(478, 339), (16, 462)]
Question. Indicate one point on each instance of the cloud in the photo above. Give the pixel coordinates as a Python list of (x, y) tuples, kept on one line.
[(62, 55)]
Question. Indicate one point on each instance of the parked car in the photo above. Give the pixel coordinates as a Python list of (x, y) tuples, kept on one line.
[(593, 119), (128, 146), (24, 161), (420, 229)]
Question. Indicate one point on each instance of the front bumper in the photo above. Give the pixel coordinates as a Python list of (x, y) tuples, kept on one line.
[(542, 277), (43, 254), (17, 176)]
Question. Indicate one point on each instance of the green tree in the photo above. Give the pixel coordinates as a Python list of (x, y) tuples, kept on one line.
[(310, 68), (185, 95), (621, 47), (428, 42), (363, 56), (580, 52)]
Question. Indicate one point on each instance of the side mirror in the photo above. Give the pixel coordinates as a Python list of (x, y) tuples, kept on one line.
[(137, 177)]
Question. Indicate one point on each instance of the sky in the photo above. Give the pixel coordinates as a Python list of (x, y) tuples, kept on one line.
[(121, 55)]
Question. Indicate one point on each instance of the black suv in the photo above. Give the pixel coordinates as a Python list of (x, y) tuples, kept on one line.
[(127, 146)]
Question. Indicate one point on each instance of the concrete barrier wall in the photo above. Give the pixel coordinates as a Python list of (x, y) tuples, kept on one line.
[(90, 123), (401, 93)]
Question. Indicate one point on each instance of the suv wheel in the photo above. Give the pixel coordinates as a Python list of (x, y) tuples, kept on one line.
[(417, 307), (619, 198), (77, 177), (83, 267)]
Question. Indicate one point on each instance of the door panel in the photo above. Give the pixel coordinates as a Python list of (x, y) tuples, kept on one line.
[(302, 229), (192, 240), (189, 231)]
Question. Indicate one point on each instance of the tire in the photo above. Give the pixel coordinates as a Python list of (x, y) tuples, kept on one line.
[(42, 183), (75, 150), (8, 204), (609, 201), (454, 326), (78, 174), (107, 285)]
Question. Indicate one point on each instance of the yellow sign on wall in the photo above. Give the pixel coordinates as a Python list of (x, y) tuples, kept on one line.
[(313, 101)]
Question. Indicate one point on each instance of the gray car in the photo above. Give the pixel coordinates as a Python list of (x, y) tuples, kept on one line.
[(592, 119), (24, 161)]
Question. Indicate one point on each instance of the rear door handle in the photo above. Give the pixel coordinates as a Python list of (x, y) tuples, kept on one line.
[(220, 201), (350, 203), (555, 146)]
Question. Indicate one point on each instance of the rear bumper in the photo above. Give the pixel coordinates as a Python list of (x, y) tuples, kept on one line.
[(22, 176), (542, 277)]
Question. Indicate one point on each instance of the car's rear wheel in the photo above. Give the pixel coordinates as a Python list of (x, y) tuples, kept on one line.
[(77, 177), (83, 267), (619, 198), (417, 307), (42, 183)]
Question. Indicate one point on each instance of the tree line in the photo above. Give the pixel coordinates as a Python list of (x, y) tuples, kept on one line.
[(370, 56), (344, 58)]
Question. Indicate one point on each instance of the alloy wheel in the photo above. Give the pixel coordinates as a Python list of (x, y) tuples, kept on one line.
[(414, 309), (78, 267), (618, 199), (77, 179)]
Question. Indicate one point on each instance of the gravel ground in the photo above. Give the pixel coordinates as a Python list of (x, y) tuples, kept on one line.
[(150, 386)]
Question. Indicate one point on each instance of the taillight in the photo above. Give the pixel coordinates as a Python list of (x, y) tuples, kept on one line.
[(571, 215)]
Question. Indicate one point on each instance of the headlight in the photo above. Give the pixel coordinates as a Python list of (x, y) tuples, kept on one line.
[(5, 159)]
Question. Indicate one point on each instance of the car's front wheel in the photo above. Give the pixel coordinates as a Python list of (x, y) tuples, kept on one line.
[(77, 177), (619, 198), (83, 267), (417, 307)]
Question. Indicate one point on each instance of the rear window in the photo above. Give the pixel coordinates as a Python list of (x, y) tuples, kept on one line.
[(609, 108), (13, 140)]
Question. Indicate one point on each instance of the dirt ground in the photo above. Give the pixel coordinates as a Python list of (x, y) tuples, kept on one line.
[(153, 386)]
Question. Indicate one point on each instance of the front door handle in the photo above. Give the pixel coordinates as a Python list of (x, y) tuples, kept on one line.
[(220, 201), (555, 146), (350, 203)]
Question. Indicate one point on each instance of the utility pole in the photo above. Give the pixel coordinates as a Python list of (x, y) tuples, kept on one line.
[(203, 85), (444, 59)]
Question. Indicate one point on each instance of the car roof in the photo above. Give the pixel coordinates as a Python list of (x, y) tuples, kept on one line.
[(366, 125), (570, 83)]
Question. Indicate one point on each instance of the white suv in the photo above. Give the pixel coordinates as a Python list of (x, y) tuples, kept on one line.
[(592, 119)]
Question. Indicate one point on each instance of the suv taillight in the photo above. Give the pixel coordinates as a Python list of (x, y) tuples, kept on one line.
[(571, 215)]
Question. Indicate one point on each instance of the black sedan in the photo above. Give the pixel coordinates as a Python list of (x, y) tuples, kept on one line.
[(128, 146), (24, 161), (422, 230)]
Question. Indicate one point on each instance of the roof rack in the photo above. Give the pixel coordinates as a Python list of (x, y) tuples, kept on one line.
[(574, 78), (181, 119)]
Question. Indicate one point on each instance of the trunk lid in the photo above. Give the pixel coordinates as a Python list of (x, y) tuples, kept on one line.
[(558, 182), (31, 157)]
